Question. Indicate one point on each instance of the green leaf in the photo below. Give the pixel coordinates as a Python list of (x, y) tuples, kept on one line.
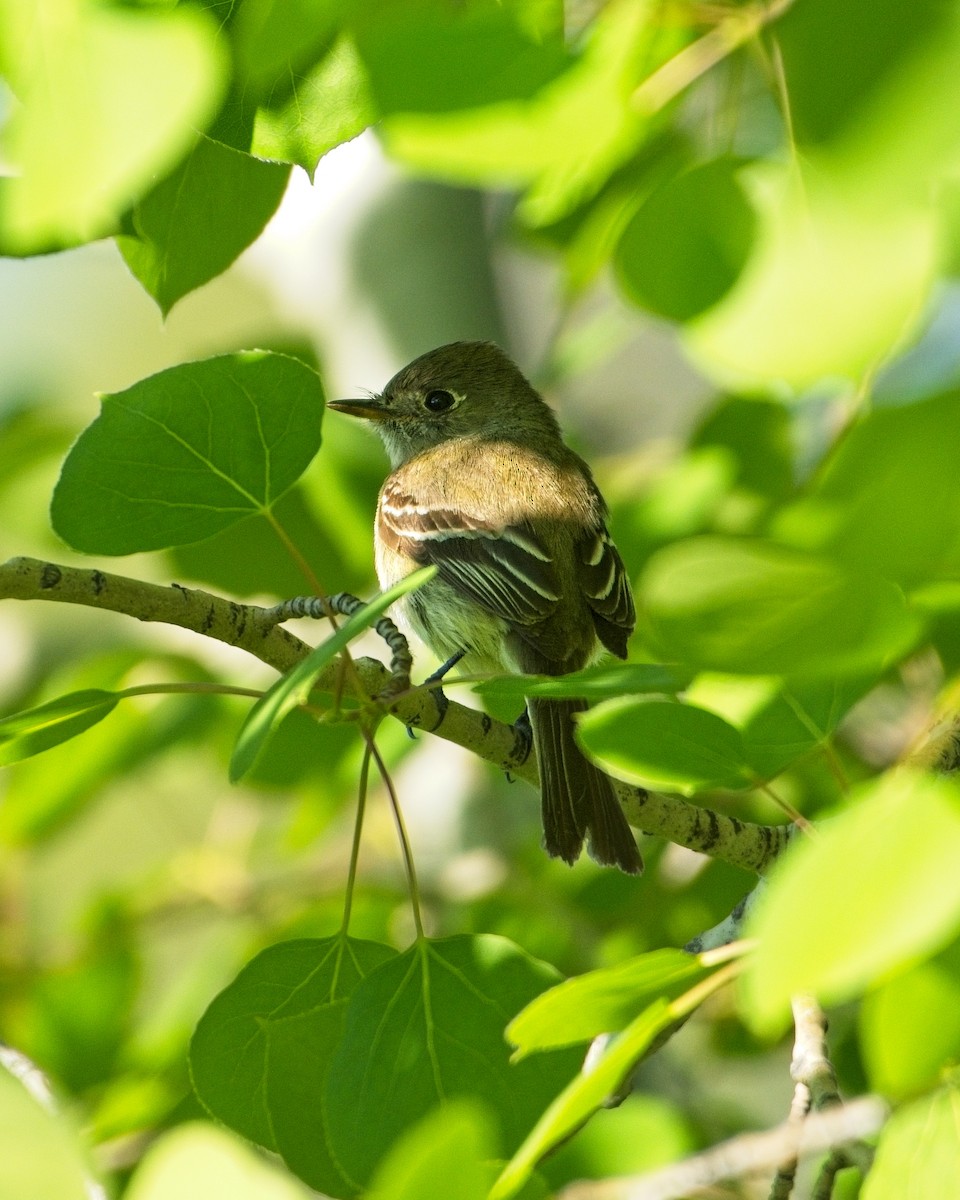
[(798, 719), (755, 608), (509, 114), (592, 683), (887, 498), (686, 245), (876, 888), (185, 453), (42, 1156), (645, 1132), (108, 98), (277, 41), (919, 1150), (584, 1096), (26, 733), (428, 1027), (445, 1156), (293, 689), (328, 106), (261, 1052), (192, 225), (665, 744), (603, 1001), (197, 1161), (910, 1026)]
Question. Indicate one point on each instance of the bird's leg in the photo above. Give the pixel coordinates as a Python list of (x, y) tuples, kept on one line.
[(523, 730), (439, 696)]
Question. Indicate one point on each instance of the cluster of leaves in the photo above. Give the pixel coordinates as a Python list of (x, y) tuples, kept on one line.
[(793, 559)]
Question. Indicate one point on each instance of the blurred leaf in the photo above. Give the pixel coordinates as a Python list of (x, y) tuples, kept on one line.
[(33, 730), (919, 1150), (887, 498), (40, 1155), (293, 689), (445, 1156), (197, 1161), (329, 105), (189, 451), (512, 115), (755, 608), (109, 97), (80, 1012), (686, 245), (192, 225), (758, 434), (603, 1001), (836, 280), (428, 1027), (592, 683), (645, 1132), (261, 1052), (872, 891), (910, 1026), (665, 744), (848, 68), (46, 791)]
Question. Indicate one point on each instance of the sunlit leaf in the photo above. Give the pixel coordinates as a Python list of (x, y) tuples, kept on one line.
[(602, 1001), (919, 1150), (834, 282), (26, 733), (109, 97), (910, 1025), (42, 1156), (561, 133), (192, 225), (197, 1161), (329, 105), (588, 1091), (874, 889), (446, 1156)]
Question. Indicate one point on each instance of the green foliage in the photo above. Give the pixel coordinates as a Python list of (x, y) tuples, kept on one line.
[(41, 1158), (878, 877), (293, 690), (189, 452), (773, 184)]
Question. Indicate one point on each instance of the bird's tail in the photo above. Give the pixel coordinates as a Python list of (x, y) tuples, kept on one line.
[(577, 800)]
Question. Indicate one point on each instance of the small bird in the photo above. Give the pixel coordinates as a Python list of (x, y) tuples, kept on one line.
[(528, 580)]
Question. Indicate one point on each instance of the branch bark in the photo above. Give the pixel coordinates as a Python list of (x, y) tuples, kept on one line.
[(744, 844)]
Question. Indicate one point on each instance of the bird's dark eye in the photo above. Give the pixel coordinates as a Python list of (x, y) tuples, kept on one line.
[(438, 400)]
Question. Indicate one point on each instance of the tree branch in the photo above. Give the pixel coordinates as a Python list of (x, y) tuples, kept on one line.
[(749, 1154), (744, 844)]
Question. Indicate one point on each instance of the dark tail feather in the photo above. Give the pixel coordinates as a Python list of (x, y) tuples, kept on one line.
[(576, 799)]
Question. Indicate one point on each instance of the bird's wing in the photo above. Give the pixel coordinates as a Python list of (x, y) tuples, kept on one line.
[(603, 578), (507, 570)]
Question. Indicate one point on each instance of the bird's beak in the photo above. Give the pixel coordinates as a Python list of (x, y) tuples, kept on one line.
[(371, 407)]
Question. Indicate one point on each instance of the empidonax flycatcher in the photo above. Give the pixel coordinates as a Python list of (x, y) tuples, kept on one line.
[(527, 581)]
